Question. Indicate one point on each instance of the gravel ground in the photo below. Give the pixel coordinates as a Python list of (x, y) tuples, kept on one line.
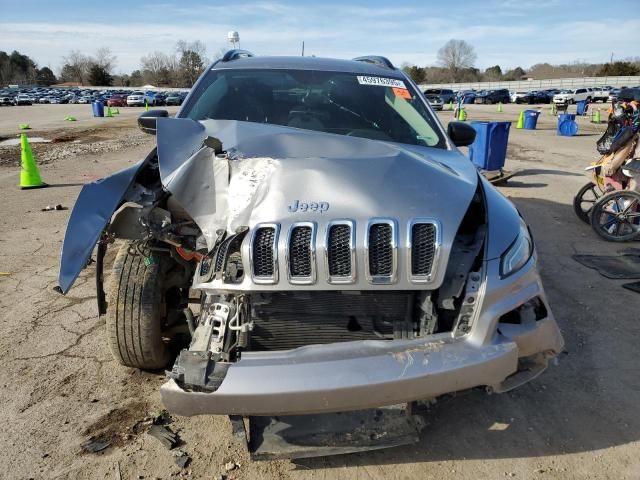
[(61, 386)]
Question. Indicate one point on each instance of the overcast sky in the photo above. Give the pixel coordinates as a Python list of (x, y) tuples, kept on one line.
[(506, 32)]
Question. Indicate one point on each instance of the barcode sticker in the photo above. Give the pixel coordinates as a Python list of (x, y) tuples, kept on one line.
[(381, 81)]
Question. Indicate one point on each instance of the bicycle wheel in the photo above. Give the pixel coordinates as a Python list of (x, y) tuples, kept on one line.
[(616, 216), (584, 200)]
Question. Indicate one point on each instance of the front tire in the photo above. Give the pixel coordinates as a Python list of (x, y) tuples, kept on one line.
[(136, 310)]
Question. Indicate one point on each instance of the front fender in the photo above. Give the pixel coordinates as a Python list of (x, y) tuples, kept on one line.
[(90, 215)]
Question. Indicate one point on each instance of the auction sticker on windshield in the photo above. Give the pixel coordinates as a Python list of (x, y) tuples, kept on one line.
[(381, 81), (402, 93)]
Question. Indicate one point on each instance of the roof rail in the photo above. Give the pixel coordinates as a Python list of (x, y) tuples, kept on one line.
[(376, 60), (235, 54)]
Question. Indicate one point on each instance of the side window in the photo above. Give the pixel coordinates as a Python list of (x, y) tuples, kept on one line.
[(581, 90)]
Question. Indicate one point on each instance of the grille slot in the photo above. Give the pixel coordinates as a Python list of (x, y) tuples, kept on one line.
[(221, 255), (381, 250), (264, 253), (301, 252), (423, 248), (340, 252)]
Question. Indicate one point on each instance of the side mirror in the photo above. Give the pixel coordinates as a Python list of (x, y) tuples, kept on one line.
[(147, 121), (460, 133)]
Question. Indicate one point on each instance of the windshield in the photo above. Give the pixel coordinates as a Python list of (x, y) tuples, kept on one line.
[(378, 108)]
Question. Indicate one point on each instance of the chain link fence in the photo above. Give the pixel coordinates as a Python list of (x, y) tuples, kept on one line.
[(527, 85)]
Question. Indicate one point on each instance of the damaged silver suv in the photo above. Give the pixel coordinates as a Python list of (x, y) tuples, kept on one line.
[(307, 239)]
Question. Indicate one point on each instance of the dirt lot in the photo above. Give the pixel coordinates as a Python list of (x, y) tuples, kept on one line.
[(60, 386)]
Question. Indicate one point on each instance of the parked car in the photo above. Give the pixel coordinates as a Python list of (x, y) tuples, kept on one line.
[(467, 96), (22, 100), (136, 99), (152, 98), (493, 96), (446, 95), (572, 96), (613, 94), (435, 101), (311, 302), (522, 97), (6, 101), (117, 101), (174, 99), (159, 99), (600, 94)]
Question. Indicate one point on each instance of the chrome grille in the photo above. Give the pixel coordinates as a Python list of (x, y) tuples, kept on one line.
[(379, 256), (264, 253), (423, 248), (341, 252)]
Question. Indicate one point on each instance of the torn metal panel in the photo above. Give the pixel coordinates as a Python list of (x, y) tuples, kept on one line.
[(177, 140), (91, 214), (199, 185), (305, 436)]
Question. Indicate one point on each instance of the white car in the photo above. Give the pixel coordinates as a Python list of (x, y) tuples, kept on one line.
[(136, 99), (601, 93), (572, 96), (516, 97)]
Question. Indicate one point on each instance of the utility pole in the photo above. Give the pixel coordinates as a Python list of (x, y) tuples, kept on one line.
[(303, 48)]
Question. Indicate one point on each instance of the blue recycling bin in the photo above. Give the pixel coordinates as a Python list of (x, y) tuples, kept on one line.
[(567, 126), (581, 107), (98, 109), (489, 149), (531, 119)]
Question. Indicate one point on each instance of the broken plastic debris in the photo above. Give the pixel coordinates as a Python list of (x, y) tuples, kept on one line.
[(54, 207), (94, 445), (183, 460), (164, 435), (230, 466)]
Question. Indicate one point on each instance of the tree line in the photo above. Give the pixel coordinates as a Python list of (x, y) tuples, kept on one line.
[(456, 63), (181, 67), (16, 68)]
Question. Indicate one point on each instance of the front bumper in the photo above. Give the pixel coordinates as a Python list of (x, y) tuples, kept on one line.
[(368, 374)]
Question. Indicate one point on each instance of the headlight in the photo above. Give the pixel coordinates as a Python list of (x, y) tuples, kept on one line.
[(518, 253)]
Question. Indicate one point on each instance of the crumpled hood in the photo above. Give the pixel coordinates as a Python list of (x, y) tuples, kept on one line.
[(279, 174), (285, 175)]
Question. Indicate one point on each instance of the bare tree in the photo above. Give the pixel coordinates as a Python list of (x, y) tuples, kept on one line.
[(105, 59), (456, 55), (76, 65), (192, 61), (159, 68)]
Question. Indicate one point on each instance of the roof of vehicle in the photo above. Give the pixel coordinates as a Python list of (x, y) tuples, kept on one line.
[(310, 63)]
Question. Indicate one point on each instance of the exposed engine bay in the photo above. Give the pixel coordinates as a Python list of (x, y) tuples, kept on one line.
[(228, 323), (244, 305)]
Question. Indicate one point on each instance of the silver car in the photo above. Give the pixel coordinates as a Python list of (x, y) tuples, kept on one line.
[(345, 253), (435, 101)]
